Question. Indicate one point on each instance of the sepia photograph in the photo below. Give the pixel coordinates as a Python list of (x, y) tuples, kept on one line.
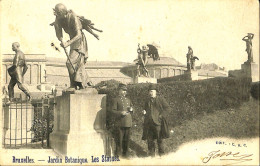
[(129, 82)]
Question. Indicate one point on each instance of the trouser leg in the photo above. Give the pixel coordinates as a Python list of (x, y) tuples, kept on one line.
[(119, 141), (126, 138), (11, 88), (159, 140), (151, 147), (150, 140)]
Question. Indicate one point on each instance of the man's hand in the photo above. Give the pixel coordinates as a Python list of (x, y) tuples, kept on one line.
[(144, 112), (124, 113)]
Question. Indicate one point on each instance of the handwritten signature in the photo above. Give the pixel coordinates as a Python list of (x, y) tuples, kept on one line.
[(230, 156)]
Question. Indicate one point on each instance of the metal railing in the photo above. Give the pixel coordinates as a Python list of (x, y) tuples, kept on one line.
[(28, 124)]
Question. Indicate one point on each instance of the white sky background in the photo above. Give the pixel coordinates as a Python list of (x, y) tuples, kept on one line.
[(214, 29)]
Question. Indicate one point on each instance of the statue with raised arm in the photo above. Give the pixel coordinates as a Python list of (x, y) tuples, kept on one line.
[(142, 61), (78, 55), (17, 72), (248, 40)]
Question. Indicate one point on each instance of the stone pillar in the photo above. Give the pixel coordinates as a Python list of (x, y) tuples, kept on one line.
[(79, 123), (18, 120), (251, 70), (191, 75), (30, 66)]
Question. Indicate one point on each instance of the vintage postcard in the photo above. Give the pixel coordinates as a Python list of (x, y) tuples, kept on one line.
[(129, 82)]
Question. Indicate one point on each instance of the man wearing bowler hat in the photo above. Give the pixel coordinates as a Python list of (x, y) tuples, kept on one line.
[(156, 108), (122, 110)]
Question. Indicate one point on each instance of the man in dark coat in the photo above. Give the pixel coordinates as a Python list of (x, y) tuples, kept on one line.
[(122, 110), (155, 109), (17, 72)]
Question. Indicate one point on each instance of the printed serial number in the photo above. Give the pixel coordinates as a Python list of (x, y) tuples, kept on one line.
[(231, 144)]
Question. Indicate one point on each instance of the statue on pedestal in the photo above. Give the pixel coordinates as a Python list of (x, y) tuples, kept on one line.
[(248, 40), (142, 61), (78, 55), (189, 55)]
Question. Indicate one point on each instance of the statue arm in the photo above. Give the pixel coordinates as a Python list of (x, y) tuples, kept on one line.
[(252, 35), (58, 30), (244, 38)]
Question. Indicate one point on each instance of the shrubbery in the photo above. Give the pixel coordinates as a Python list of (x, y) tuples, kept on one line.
[(255, 90), (187, 99)]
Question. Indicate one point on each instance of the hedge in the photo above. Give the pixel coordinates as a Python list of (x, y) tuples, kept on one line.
[(187, 99), (255, 90)]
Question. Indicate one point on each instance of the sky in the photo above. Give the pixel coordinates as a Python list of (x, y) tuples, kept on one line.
[(213, 28)]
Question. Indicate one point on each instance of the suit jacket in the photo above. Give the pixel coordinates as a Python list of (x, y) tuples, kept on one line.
[(119, 105), (153, 110)]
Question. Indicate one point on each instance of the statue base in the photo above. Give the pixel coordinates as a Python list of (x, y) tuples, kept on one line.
[(145, 80), (81, 91), (192, 74), (251, 70), (79, 124), (18, 120)]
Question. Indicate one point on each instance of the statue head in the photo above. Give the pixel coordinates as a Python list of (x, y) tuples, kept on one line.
[(60, 10), (15, 46), (189, 47)]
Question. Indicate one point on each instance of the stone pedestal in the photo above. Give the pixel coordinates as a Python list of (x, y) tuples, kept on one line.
[(145, 80), (79, 122), (191, 74), (251, 70), (18, 120)]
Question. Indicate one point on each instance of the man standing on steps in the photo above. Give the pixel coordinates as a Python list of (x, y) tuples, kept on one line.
[(17, 72), (78, 55), (122, 111), (155, 110)]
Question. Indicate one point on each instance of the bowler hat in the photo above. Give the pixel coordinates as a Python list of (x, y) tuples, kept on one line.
[(152, 87), (122, 86)]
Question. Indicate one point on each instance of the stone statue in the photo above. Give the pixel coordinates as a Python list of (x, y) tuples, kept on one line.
[(17, 72), (189, 55), (192, 60), (248, 40), (153, 52), (78, 55), (142, 61)]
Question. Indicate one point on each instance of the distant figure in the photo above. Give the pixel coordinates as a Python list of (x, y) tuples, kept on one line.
[(248, 40), (17, 72), (189, 55), (153, 52), (122, 111), (78, 55), (142, 61)]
